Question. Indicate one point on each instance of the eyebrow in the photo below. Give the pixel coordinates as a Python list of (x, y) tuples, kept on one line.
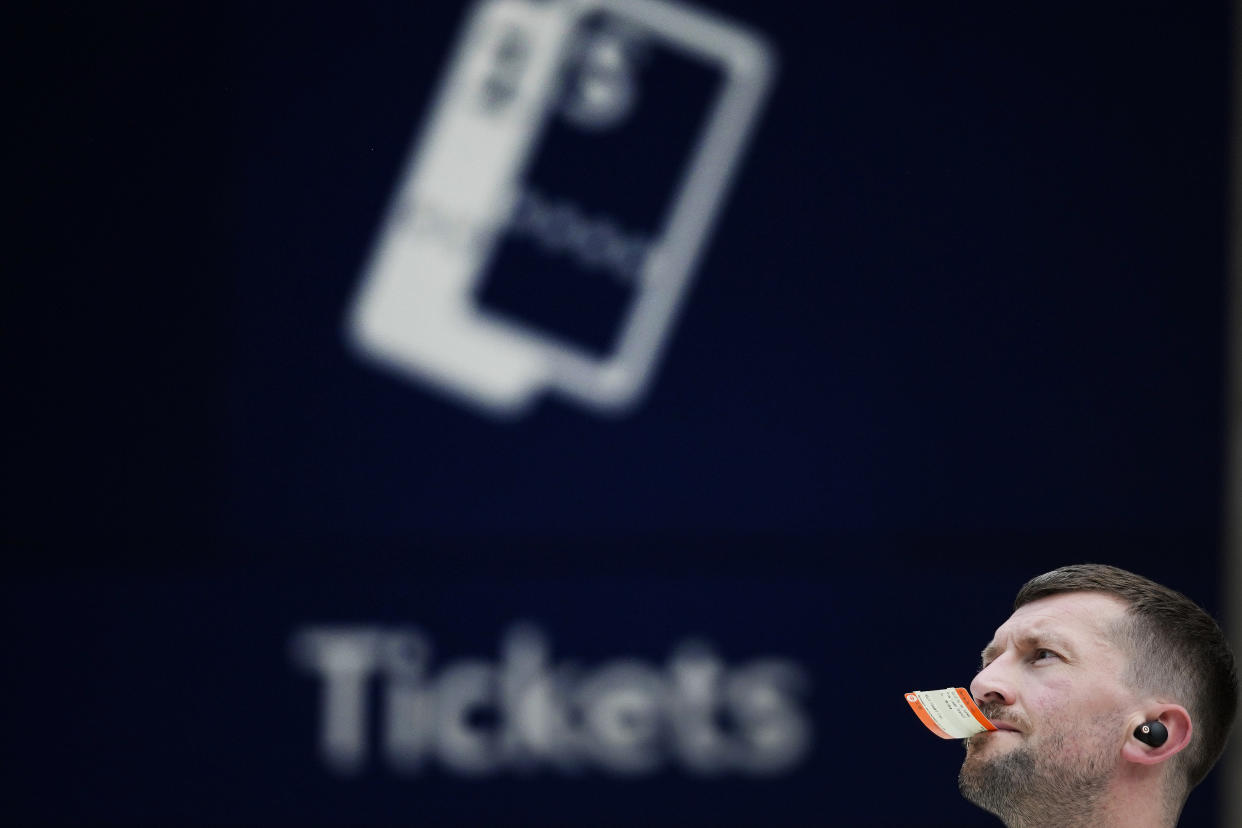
[(1028, 641)]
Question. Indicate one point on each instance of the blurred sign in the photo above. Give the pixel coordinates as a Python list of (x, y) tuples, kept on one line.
[(544, 232), (625, 717)]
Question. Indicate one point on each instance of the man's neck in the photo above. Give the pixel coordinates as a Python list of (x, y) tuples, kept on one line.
[(1117, 809)]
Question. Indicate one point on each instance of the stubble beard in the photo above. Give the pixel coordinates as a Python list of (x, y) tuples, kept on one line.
[(1036, 785)]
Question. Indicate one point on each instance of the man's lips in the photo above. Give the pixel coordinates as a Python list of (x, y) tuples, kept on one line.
[(1003, 725)]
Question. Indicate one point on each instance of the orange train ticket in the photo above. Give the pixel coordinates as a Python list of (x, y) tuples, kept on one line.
[(950, 713)]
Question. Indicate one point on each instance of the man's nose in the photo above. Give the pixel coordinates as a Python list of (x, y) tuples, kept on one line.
[(992, 684)]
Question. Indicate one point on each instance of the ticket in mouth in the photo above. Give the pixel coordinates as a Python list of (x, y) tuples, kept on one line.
[(950, 713)]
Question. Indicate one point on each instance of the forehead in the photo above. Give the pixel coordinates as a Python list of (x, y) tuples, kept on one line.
[(1079, 618)]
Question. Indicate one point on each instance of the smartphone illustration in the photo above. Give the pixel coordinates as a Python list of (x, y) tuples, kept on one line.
[(544, 231)]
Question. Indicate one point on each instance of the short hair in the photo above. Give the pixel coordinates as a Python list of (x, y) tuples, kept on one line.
[(1174, 646)]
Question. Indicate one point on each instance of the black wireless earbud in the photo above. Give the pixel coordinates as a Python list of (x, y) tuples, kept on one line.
[(1151, 733)]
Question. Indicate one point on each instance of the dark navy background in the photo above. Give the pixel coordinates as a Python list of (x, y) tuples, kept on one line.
[(961, 321)]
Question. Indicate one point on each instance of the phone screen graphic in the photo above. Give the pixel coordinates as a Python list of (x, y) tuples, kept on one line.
[(545, 230)]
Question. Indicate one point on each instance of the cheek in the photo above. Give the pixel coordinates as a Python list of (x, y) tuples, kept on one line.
[(1060, 706), (1074, 720), (1049, 699)]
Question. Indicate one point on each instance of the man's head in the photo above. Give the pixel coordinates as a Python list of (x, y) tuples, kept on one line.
[(1089, 654)]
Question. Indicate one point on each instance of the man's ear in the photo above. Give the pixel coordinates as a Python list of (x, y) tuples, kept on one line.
[(1175, 720)]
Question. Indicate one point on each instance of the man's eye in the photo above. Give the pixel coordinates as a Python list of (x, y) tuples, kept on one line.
[(1041, 655)]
